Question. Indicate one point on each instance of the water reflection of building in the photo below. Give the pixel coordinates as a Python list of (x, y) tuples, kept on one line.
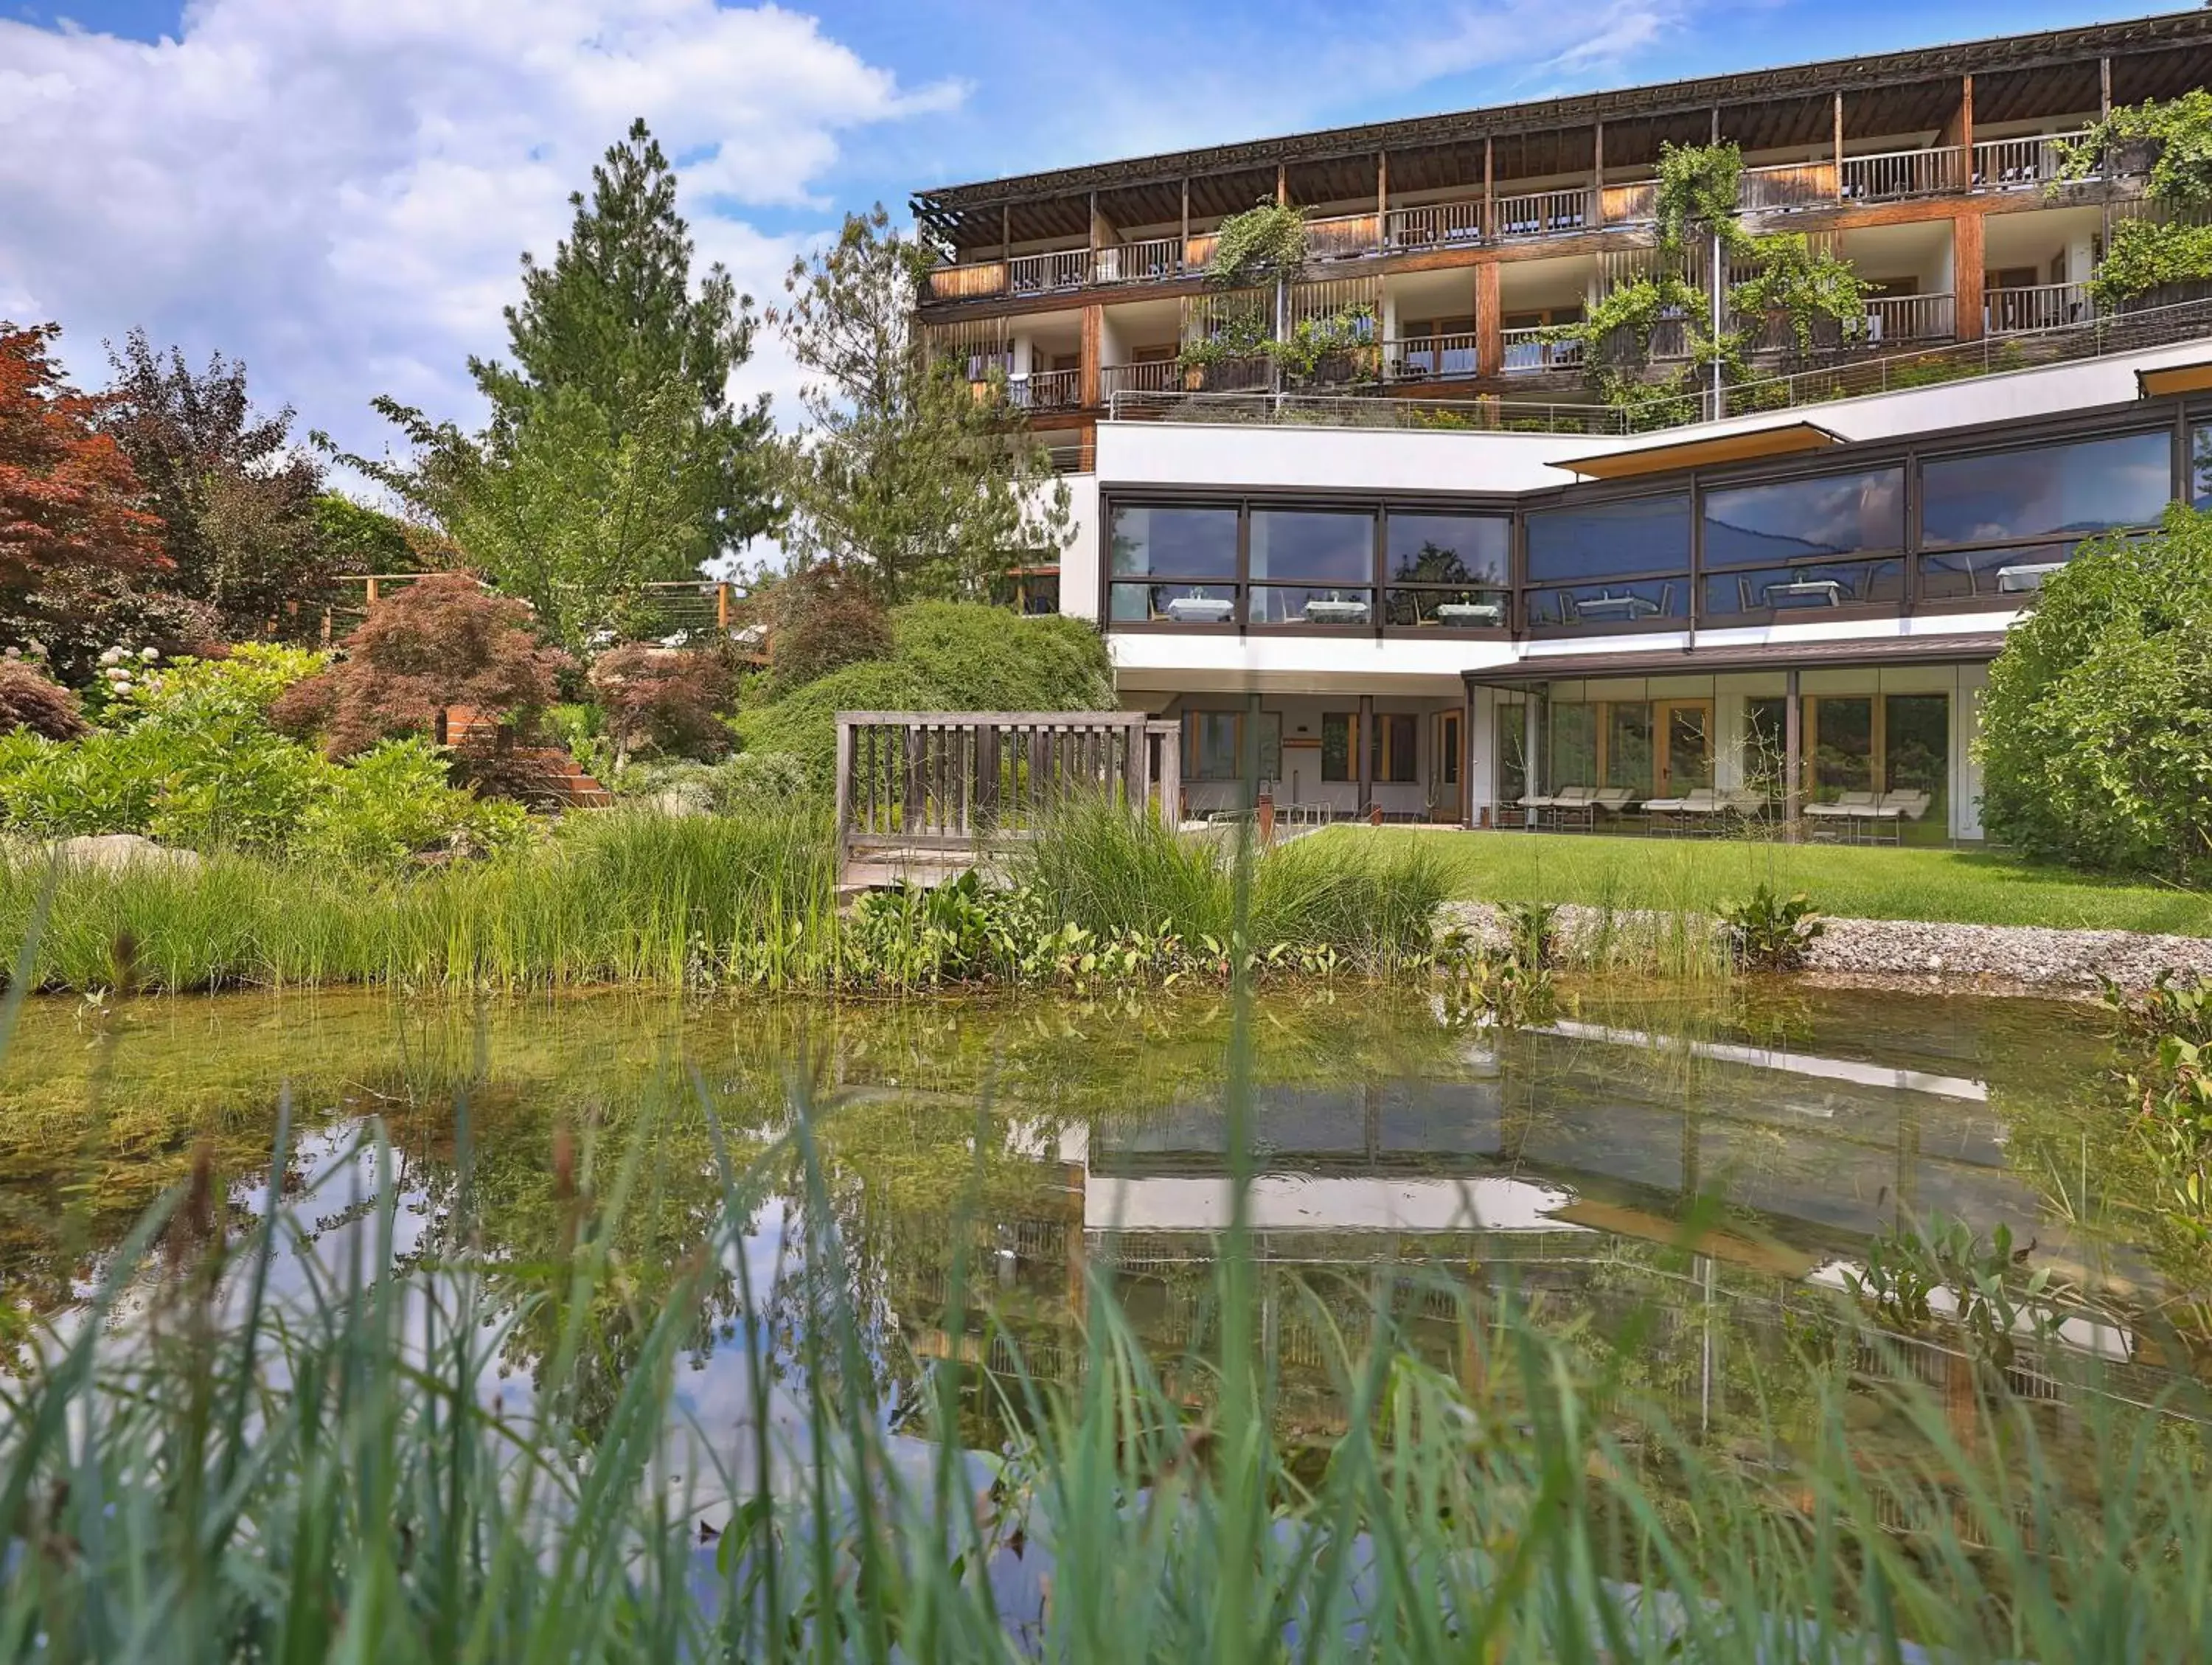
[(1681, 1195)]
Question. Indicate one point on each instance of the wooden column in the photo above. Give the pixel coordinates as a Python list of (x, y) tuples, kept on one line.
[(2104, 87), (1839, 147), (1183, 254), (1967, 260), (1094, 333), (1005, 233), (1793, 763), (1382, 199), (1489, 327), (1597, 174), (1282, 183), (1489, 192), (1366, 744), (1958, 129)]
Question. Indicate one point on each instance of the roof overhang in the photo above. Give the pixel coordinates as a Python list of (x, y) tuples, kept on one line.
[(1783, 439), (1699, 662), (2193, 378)]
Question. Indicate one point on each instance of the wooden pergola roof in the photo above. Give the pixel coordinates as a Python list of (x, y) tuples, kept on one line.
[(1903, 92)]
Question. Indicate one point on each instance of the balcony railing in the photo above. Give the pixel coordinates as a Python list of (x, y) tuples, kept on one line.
[(1533, 351), (1048, 274), (1046, 389), (1791, 186), (1544, 214), (1342, 236), (2022, 164), (1434, 225), (972, 282), (1900, 318), (1635, 204), (1430, 358), (1153, 376), (2037, 306), (1154, 260), (1892, 174)]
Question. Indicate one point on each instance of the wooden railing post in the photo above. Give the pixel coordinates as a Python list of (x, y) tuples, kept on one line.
[(844, 786)]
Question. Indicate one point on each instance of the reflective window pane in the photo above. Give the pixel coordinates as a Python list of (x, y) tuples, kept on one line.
[(1172, 604), (2000, 575), (1448, 549), (1449, 610), (1800, 519), (2047, 490), (1571, 758), (1327, 546), (1312, 604), (1812, 589), (2200, 466), (1842, 746), (1640, 535), (1628, 746), (1173, 543), (1636, 602)]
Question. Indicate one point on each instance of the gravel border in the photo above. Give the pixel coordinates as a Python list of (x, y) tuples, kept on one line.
[(2030, 956)]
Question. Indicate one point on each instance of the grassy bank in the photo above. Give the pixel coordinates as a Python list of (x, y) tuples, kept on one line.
[(1957, 886), (441, 1464), (641, 898)]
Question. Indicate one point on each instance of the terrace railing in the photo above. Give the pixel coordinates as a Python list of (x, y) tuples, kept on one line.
[(1473, 416), (1433, 226), (1888, 175), (1154, 376), (1900, 318), (1343, 237), (1048, 274), (1154, 260), (1544, 214), (1634, 203), (1789, 187), (2037, 306), (2022, 164), (1533, 351), (1046, 389), (1430, 358), (937, 786)]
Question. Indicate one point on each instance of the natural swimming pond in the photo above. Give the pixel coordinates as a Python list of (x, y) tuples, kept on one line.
[(1680, 1173)]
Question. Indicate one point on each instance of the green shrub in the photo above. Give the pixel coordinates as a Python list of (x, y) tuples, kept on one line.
[(2096, 743), (804, 723), (1771, 932), (393, 802)]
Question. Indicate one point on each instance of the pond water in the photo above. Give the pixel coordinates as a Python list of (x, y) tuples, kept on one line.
[(1038, 1150)]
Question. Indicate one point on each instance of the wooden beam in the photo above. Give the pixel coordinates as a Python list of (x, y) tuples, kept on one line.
[(1094, 335), (1382, 198), (1839, 147), (1489, 192), (1967, 262), (1489, 323), (2104, 87), (1282, 183), (1597, 173)]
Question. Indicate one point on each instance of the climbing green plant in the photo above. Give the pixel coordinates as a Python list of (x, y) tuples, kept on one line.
[(1697, 196), (1264, 240), (1799, 284), (2145, 255), (1312, 340)]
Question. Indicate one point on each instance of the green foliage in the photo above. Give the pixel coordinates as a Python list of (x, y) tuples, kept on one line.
[(394, 802), (2167, 1077), (1990, 1304), (1771, 931), (31, 701), (614, 326), (1697, 193), (362, 539), (2147, 255), (912, 478), (2178, 130), (1266, 240), (1800, 287), (2096, 744), (945, 656)]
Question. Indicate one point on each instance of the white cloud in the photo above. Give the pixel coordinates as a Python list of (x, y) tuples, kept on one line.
[(338, 191)]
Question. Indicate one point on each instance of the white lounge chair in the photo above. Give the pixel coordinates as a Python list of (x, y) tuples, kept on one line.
[(1675, 814), (1892, 810), (1568, 800)]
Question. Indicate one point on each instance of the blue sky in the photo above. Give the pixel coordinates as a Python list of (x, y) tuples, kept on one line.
[(337, 190)]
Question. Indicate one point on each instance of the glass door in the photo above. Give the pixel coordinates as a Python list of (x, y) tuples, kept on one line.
[(1447, 791), (1686, 746)]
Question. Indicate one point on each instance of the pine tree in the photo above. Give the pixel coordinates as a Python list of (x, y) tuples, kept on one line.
[(614, 319)]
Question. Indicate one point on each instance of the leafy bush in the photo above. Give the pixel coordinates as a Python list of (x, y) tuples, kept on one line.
[(442, 642), (754, 779), (946, 656), (393, 802), (664, 699), (819, 622), (1771, 932), (2096, 744), (31, 703)]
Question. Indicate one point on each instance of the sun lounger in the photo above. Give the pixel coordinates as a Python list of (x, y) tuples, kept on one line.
[(1583, 812), (1568, 800), (1890, 812), (1679, 814)]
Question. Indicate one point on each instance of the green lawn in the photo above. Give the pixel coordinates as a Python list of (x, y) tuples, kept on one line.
[(1965, 886)]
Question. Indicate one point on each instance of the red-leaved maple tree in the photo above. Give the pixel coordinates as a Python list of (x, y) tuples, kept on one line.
[(69, 497)]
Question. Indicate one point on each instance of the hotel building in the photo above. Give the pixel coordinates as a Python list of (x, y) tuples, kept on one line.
[(1434, 574)]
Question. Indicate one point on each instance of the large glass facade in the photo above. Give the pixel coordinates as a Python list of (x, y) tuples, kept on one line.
[(2047, 491), (1312, 567), (1600, 540), (1570, 750), (1622, 602)]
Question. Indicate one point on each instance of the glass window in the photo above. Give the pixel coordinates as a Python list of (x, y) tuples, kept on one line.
[(1842, 746), (2200, 466), (1173, 543), (1512, 748), (1629, 601), (1916, 742), (1449, 549), (1628, 746), (2006, 574), (1811, 588), (1394, 742), (2047, 490), (1320, 546), (1803, 519), (1172, 604), (1639, 535), (1570, 759), (1213, 746), (1337, 762)]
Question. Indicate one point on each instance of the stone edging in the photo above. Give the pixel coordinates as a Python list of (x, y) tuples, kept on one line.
[(2029, 956)]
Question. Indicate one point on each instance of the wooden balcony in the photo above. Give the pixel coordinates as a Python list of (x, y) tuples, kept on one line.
[(1896, 319), (1453, 357), (1787, 188), (1537, 351), (2038, 306), (2023, 164), (1895, 175), (1046, 390)]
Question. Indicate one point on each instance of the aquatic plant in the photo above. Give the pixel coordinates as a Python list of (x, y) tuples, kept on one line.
[(1771, 932)]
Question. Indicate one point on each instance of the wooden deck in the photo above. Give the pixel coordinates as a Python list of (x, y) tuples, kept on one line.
[(925, 796)]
